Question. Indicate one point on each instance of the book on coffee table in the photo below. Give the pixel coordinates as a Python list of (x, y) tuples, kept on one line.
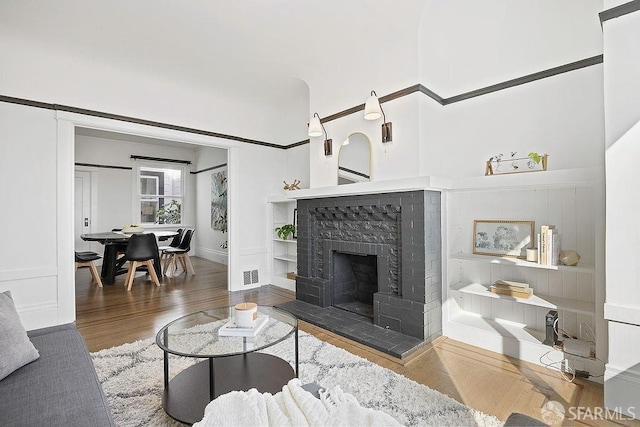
[(230, 329)]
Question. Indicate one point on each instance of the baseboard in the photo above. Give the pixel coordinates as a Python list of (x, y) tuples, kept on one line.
[(38, 316), (221, 257)]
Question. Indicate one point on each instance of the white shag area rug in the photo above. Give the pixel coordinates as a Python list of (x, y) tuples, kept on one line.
[(132, 379)]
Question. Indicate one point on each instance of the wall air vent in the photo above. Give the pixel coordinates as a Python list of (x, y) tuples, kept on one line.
[(250, 277)]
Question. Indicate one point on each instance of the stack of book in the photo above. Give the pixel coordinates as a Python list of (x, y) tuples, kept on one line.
[(548, 245), (231, 329), (512, 289)]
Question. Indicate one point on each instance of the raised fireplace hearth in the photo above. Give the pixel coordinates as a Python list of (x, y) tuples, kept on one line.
[(376, 255)]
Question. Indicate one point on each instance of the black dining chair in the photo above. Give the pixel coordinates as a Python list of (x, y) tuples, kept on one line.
[(142, 249), (86, 259), (181, 252), (174, 243)]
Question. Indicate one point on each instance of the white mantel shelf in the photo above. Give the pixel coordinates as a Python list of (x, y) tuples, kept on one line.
[(372, 187), (587, 176)]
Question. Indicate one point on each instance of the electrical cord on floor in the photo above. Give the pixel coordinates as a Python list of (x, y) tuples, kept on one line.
[(564, 367)]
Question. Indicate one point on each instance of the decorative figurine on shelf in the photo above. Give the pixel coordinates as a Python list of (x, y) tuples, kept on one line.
[(292, 186), (570, 258)]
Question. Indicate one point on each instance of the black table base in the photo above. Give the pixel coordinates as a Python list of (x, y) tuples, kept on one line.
[(189, 392), (113, 266)]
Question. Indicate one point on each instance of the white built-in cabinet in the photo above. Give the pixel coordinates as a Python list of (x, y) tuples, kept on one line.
[(283, 253), (573, 200)]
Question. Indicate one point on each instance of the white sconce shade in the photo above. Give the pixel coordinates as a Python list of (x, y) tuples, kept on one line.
[(372, 110), (315, 127)]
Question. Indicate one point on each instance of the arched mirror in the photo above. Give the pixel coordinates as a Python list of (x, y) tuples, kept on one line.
[(354, 159)]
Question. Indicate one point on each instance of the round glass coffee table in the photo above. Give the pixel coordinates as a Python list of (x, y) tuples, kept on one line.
[(233, 362)]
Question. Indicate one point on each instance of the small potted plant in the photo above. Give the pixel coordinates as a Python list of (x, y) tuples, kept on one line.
[(285, 231)]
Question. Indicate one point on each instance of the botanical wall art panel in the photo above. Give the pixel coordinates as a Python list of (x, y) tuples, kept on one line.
[(219, 201)]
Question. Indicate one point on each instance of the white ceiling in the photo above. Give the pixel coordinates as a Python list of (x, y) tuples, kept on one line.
[(259, 68), (239, 44)]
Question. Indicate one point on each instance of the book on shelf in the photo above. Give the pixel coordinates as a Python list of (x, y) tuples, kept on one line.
[(520, 293), (511, 285), (548, 245), (554, 253), (230, 329)]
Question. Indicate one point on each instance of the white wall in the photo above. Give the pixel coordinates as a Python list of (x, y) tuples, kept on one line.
[(622, 85), (43, 282), (560, 116), (297, 165), (259, 176), (396, 159), (42, 67), (622, 307), (256, 110), (29, 185), (210, 241), (467, 44)]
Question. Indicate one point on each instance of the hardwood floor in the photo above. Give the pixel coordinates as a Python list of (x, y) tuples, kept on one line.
[(489, 382), (111, 316)]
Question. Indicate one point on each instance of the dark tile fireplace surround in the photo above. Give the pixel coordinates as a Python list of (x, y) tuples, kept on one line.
[(369, 268)]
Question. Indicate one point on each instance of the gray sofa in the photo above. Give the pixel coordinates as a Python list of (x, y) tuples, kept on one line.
[(60, 388)]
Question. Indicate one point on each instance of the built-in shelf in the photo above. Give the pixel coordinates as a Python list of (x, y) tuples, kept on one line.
[(553, 178), (537, 300), (473, 314), (283, 253), (500, 327), (580, 268), (549, 178), (286, 241), (286, 257)]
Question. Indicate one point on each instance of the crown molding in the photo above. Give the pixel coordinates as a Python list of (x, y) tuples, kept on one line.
[(618, 11), (572, 66), (136, 120), (594, 60)]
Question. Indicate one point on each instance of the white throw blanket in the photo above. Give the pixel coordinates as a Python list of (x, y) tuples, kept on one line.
[(293, 406)]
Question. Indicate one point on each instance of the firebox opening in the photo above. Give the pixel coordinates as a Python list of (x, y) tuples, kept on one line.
[(355, 280)]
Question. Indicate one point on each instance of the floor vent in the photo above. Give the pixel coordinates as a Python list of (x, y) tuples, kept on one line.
[(250, 277)]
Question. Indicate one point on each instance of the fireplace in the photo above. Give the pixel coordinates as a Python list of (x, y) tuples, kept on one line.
[(379, 255), (355, 281)]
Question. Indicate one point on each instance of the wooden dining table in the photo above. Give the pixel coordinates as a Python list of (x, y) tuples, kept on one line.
[(113, 241)]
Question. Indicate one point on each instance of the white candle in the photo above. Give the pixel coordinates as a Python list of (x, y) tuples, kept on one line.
[(245, 314)]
